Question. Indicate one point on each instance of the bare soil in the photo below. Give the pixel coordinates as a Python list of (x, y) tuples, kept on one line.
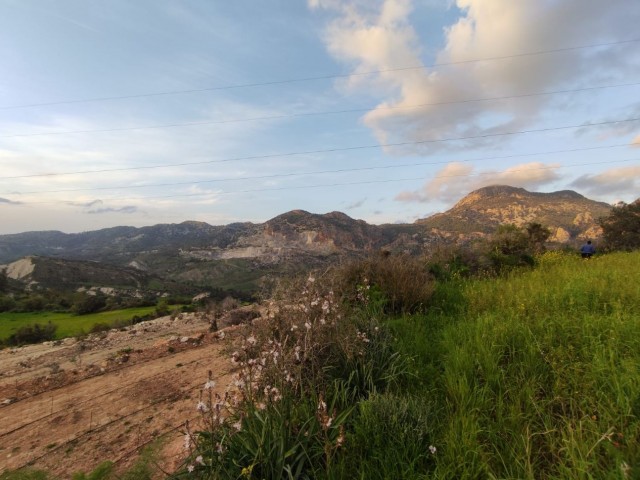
[(68, 406)]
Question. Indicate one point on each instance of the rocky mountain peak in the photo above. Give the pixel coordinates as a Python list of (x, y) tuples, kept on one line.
[(567, 213)]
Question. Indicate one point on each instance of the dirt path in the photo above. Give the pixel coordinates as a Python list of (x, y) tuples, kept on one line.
[(107, 410)]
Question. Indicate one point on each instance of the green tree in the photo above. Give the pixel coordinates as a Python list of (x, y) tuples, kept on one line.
[(90, 304), (4, 281), (509, 247), (621, 229), (538, 235)]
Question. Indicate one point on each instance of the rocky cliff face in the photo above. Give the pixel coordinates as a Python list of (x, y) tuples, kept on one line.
[(569, 215)]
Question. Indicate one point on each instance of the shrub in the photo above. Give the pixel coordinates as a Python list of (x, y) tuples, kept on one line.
[(621, 229), (7, 303), (101, 327), (90, 304), (397, 283), (162, 308), (33, 334), (301, 373), (449, 262), (25, 474)]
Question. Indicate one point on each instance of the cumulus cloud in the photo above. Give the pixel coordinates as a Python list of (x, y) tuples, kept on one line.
[(380, 36), (620, 182), (457, 179)]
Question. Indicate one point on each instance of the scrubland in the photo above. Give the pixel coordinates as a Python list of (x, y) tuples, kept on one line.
[(378, 371)]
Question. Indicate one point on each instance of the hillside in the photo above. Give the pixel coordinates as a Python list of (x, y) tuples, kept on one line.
[(73, 274), (569, 215), (244, 255)]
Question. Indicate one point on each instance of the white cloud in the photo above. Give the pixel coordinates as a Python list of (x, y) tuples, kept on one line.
[(381, 36), (457, 179), (616, 182)]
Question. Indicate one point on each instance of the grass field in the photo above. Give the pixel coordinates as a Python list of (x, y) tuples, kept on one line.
[(536, 375), (68, 324)]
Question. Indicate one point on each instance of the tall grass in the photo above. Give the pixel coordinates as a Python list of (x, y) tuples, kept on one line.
[(538, 374)]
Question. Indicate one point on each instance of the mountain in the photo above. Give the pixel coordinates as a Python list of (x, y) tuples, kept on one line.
[(569, 215), (243, 255)]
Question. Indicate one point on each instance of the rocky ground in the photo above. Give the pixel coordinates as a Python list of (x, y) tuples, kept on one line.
[(67, 406)]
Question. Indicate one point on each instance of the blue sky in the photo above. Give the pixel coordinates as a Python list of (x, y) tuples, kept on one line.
[(159, 111)]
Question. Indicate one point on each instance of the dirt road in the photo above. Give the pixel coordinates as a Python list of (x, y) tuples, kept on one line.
[(66, 415)]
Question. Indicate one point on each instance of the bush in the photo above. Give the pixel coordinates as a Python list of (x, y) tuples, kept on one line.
[(301, 373), (7, 303), (25, 474), (32, 303), (621, 229), (162, 308), (33, 334), (395, 283), (90, 304)]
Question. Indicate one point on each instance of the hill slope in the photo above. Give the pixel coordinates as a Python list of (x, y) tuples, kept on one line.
[(242, 255), (568, 214)]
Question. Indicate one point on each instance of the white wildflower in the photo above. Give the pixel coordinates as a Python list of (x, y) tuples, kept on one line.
[(307, 325), (190, 468), (200, 460), (432, 449), (202, 407), (326, 306), (209, 385)]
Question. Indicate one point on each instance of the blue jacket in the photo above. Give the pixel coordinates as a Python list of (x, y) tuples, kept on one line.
[(587, 248)]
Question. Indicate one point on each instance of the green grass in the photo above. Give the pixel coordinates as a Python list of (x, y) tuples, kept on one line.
[(68, 324), (536, 375)]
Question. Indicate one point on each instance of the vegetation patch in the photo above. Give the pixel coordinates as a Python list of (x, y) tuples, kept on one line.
[(67, 324)]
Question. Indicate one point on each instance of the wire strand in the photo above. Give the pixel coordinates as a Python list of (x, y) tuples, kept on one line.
[(330, 150), (336, 184), (322, 172), (327, 112), (320, 77)]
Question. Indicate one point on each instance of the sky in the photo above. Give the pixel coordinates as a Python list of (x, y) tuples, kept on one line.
[(162, 111)]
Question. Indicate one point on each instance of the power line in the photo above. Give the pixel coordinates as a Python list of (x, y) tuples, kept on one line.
[(322, 172), (340, 184), (320, 77), (330, 150), (327, 112)]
